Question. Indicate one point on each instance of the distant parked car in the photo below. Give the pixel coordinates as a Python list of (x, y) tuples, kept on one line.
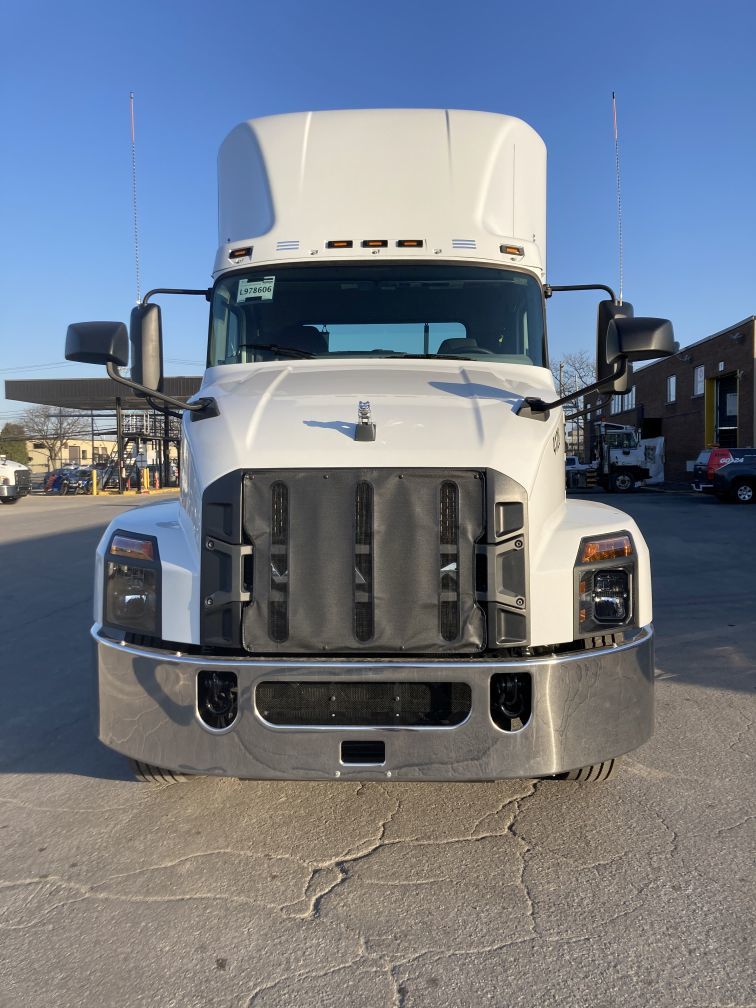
[(574, 471), (59, 480), (736, 480), (711, 460)]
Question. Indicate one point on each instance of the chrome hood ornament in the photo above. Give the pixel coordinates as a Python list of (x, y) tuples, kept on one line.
[(365, 428)]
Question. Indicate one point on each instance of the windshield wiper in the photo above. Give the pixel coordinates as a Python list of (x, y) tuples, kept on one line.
[(431, 356), (281, 350)]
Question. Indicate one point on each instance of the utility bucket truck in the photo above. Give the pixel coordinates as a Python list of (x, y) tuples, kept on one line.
[(372, 571)]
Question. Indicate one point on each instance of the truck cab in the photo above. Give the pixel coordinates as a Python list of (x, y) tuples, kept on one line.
[(15, 480), (372, 571)]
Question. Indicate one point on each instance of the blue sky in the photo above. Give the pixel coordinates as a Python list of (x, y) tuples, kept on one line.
[(684, 74)]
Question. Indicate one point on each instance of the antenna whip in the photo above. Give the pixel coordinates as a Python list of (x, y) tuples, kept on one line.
[(619, 192), (134, 202)]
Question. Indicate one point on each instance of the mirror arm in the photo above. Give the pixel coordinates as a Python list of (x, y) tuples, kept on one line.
[(195, 407), (587, 410), (539, 406), (161, 408), (207, 293), (548, 289)]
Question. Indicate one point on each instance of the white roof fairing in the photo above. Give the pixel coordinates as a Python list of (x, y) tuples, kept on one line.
[(463, 182)]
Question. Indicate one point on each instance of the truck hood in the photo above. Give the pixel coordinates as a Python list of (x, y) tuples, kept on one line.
[(8, 466), (302, 414)]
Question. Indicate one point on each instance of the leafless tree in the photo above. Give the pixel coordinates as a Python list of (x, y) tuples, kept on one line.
[(572, 372), (51, 428)]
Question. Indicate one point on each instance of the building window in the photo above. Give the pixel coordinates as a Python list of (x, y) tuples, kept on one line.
[(698, 380), (671, 388), (621, 403), (83, 454)]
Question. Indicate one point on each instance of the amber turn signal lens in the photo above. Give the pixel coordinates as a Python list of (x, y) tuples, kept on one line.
[(135, 549), (608, 548)]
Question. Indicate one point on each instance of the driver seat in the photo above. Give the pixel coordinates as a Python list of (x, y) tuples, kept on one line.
[(458, 344)]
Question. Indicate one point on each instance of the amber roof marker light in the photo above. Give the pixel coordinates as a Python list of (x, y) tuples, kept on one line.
[(339, 243), (374, 243), (514, 250), (240, 253), (410, 243)]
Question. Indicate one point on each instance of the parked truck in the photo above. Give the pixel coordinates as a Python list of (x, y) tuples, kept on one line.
[(15, 480), (623, 460), (372, 570)]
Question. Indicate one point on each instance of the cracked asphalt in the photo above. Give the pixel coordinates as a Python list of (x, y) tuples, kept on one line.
[(636, 892)]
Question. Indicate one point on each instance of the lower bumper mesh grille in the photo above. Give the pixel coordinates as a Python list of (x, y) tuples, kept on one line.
[(371, 704)]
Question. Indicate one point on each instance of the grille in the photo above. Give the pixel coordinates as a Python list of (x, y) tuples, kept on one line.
[(278, 602), (448, 604), (23, 479), (364, 704), (363, 562)]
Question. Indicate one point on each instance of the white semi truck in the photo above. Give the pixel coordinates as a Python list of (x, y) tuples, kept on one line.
[(372, 571), (15, 480)]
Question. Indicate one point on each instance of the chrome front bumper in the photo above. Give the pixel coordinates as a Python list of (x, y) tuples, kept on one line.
[(586, 707)]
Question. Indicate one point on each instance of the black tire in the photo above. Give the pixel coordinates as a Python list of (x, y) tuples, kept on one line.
[(149, 774), (622, 482), (742, 492), (9, 500), (591, 774)]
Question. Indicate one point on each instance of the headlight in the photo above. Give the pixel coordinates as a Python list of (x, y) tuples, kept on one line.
[(605, 579), (132, 584)]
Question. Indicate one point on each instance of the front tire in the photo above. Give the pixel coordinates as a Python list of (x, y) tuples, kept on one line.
[(622, 482), (743, 493), (590, 774), (149, 774), (9, 500)]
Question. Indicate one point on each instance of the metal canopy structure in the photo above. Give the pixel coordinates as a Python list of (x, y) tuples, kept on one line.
[(104, 395), (92, 393)]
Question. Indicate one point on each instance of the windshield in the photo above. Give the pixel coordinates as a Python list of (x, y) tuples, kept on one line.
[(366, 310)]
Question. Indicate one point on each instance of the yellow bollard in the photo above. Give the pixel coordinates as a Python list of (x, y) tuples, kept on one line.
[(94, 491), (145, 478)]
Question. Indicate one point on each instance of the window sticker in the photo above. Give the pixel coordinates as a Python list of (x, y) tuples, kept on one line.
[(256, 290)]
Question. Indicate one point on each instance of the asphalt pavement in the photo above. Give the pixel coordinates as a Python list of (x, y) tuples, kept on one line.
[(636, 892)]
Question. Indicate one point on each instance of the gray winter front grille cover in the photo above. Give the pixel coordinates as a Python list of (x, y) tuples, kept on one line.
[(336, 584)]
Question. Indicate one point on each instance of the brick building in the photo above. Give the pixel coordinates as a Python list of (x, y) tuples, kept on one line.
[(702, 396)]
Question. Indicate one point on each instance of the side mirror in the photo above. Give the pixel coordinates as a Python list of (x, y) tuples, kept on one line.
[(98, 343), (146, 336), (607, 312)]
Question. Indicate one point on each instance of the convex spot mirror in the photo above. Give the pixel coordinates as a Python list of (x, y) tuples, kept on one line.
[(146, 336), (98, 343)]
